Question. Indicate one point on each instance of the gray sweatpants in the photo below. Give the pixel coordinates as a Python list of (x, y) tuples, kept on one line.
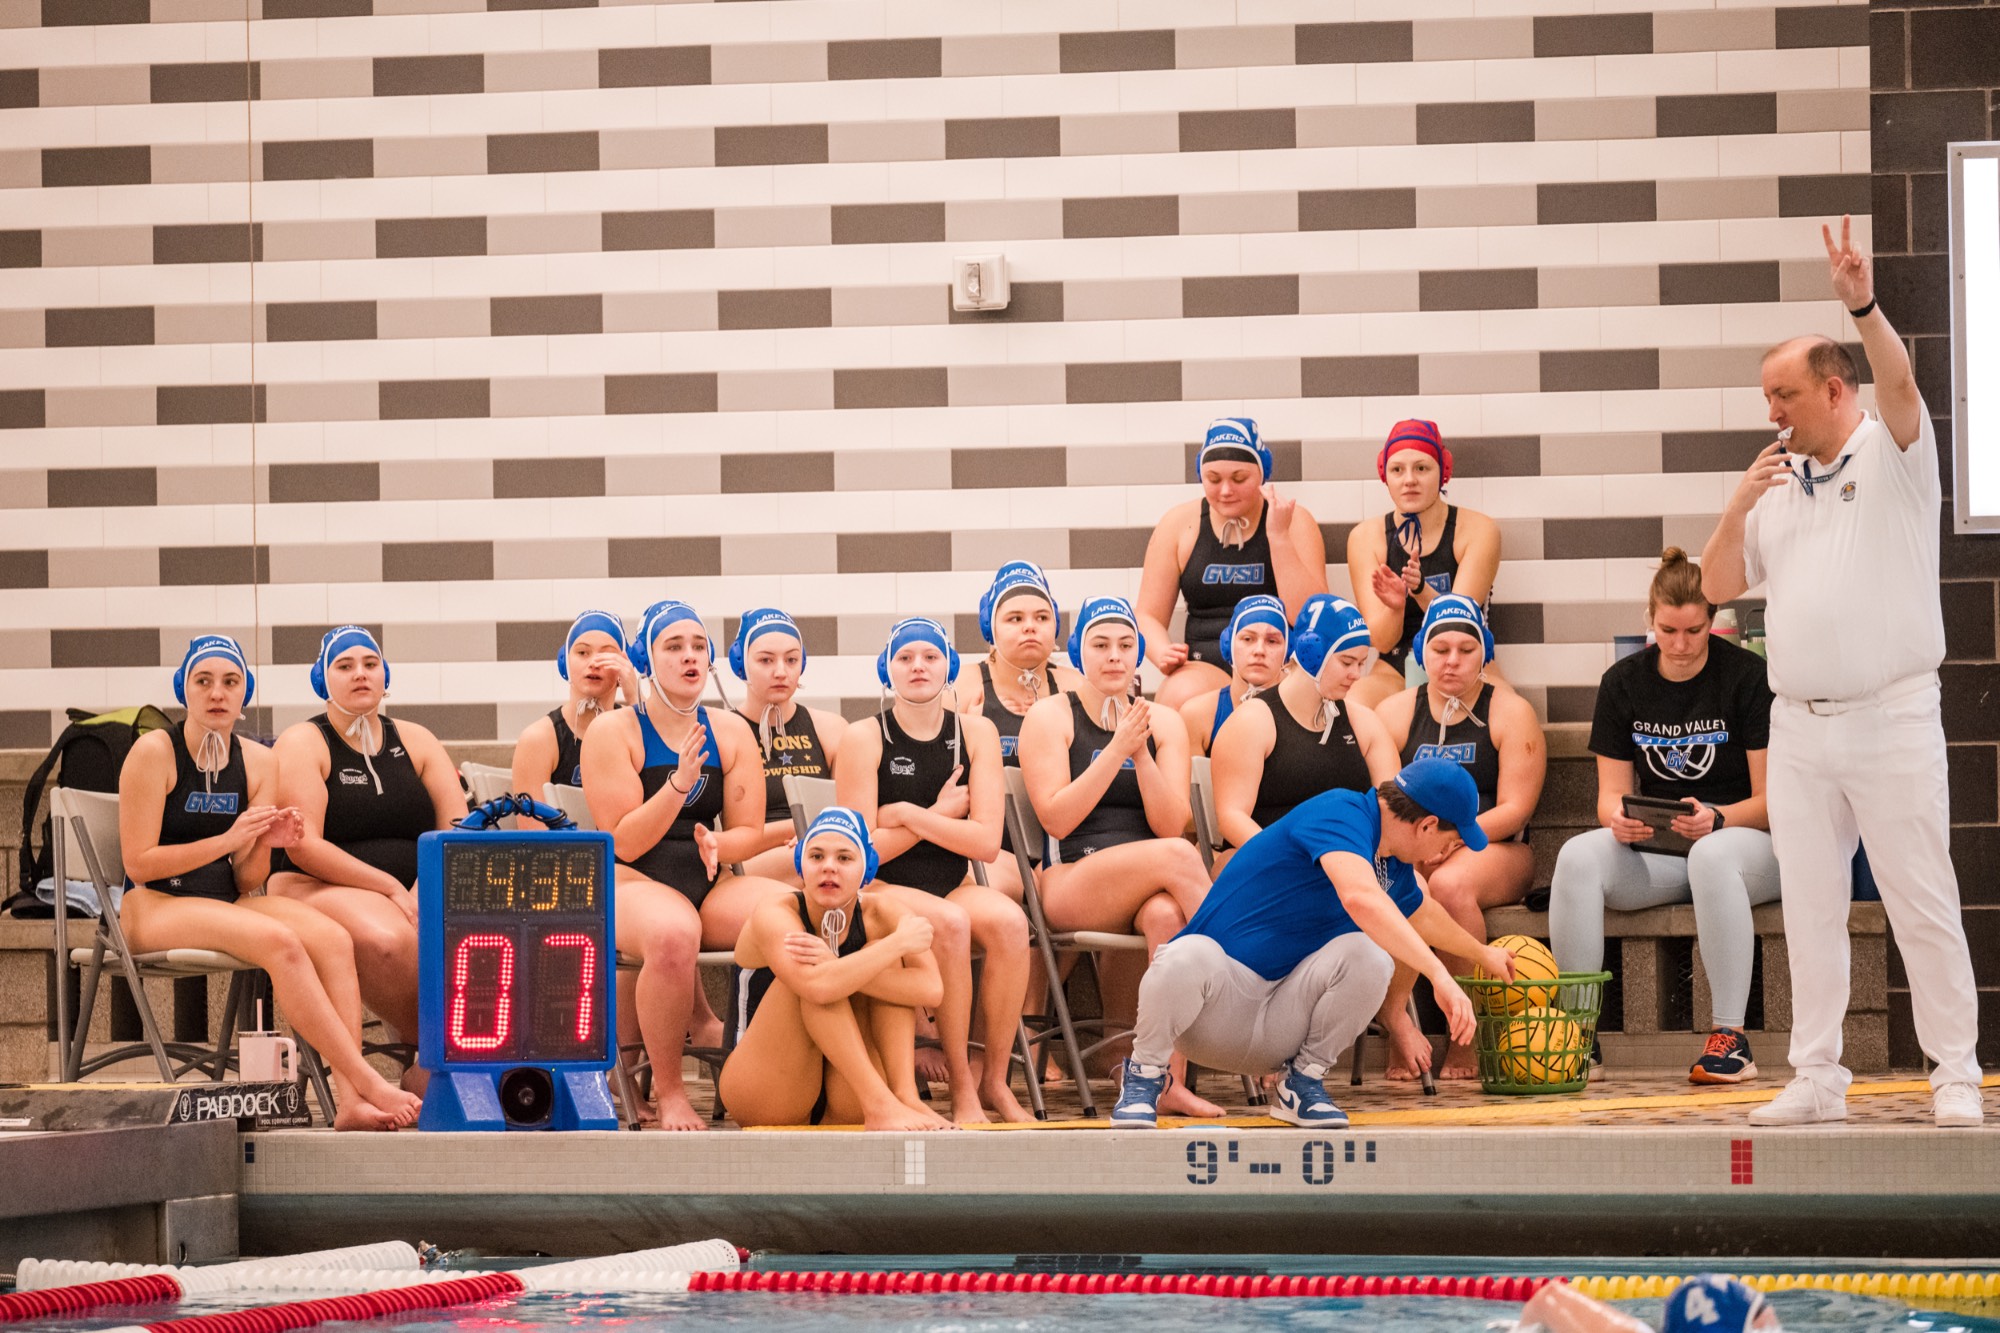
[(1221, 1015)]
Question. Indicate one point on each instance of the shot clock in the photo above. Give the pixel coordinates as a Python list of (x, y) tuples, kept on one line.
[(517, 957)]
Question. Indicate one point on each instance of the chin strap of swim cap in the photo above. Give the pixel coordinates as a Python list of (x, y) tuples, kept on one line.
[(1455, 707), (1237, 532), (1027, 678), (361, 726), (1325, 716), (1108, 713), (765, 732), (211, 757), (833, 925)]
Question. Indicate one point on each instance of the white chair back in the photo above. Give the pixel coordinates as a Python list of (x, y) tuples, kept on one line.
[(99, 812), (488, 781), (570, 801)]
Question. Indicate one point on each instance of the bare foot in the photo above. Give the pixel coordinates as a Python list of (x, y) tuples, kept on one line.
[(965, 1107), (1409, 1052), (355, 1114), (931, 1066), (1181, 1100), (999, 1099), (706, 1035), (896, 1116), (932, 1119), (1460, 1064), (677, 1113), (401, 1107)]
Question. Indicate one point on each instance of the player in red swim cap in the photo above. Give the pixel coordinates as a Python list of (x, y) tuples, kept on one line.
[(1422, 547)]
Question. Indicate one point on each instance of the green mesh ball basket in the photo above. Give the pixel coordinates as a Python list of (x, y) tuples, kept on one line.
[(1534, 1037)]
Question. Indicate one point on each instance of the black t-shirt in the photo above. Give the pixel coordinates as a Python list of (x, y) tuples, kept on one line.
[(1687, 738)]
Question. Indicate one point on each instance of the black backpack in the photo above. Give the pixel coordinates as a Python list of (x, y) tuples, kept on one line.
[(90, 751)]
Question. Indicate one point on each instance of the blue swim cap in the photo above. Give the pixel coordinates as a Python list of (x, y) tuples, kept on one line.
[(1262, 609), (336, 642), (602, 622), (1712, 1303), (917, 629), (206, 646), (1012, 577), (1234, 439), (1453, 611), (1097, 611), (755, 625), (849, 825), (1327, 625), (654, 623)]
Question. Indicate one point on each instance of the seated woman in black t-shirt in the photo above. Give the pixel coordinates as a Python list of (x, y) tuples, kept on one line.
[(1308, 735), (367, 788), (197, 819), (1688, 719), (594, 666)]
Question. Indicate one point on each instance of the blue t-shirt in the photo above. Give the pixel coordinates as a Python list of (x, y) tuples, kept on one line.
[(1273, 906)]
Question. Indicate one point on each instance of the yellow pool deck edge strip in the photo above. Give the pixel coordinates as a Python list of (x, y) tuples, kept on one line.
[(1507, 1110)]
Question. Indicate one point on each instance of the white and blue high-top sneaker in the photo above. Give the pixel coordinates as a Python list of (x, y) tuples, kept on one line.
[(1139, 1096), (1302, 1099)]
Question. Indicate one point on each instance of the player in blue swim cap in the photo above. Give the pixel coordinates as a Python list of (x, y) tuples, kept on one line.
[(822, 1023), (1705, 1304), (1484, 726), (592, 662), (1255, 648), (198, 817), (366, 787), (768, 655), (1306, 736), (1240, 537)]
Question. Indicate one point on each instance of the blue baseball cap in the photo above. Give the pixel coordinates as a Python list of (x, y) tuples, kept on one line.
[(1712, 1303), (1327, 625), (1443, 788)]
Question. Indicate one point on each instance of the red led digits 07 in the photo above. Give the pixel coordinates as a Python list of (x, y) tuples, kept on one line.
[(481, 1012)]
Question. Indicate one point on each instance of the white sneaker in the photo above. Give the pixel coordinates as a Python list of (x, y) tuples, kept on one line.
[(1956, 1106), (1803, 1102)]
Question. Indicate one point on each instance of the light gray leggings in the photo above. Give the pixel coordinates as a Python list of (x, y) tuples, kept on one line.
[(1725, 874)]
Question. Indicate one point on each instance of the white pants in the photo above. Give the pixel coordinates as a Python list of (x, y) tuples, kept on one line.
[(1221, 1015), (1724, 875), (1873, 772)]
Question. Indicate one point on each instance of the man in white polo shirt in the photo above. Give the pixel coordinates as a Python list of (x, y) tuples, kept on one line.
[(1839, 520)]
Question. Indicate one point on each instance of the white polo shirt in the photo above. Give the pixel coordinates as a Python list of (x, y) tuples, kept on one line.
[(1851, 570)]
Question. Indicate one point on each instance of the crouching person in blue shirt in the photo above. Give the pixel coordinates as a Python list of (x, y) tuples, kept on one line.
[(1291, 953)]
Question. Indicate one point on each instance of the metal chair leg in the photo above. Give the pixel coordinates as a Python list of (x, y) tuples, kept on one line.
[(1030, 1069)]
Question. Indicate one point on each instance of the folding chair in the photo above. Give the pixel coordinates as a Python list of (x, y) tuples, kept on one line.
[(1207, 828), (85, 829), (488, 782), (570, 801), (807, 797)]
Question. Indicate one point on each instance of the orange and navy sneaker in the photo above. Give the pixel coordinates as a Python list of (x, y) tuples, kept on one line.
[(1726, 1059)]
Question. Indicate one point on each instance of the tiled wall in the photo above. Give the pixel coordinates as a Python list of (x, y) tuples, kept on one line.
[(455, 316), (1937, 81)]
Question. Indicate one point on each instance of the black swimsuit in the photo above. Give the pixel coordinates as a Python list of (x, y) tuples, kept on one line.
[(674, 860), (1468, 741), (1216, 578), (1439, 569), (795, 751), (916, 771), (1119, 816), (203, 806), (1299, 767), (568, 771), (1004, 719), (748, 986), (376, 820)]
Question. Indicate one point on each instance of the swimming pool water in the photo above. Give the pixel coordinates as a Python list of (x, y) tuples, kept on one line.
[(1802, 1312)]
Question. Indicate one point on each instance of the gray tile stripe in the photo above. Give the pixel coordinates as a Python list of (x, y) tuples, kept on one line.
[(1553, 371), (1557, 202), (933, 57), (1077, 300), (1726, 114)]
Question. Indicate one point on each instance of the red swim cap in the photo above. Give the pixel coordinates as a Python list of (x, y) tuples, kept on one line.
[(1414, 434)]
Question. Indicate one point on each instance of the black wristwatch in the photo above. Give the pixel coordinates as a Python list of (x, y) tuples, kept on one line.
[(1716, 810)]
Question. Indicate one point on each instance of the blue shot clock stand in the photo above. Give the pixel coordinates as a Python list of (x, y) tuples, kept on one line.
[(523, 1081)]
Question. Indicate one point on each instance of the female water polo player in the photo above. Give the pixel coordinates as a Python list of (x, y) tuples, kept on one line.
[(1422, 548), (1458, 714), (1240, 538), (681, 791), (594, 665), (929, 780), (1255, 649), (822, 1021), (1108, 776), (769, 656), (198, 815), (366, 788), (1304, 737)]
